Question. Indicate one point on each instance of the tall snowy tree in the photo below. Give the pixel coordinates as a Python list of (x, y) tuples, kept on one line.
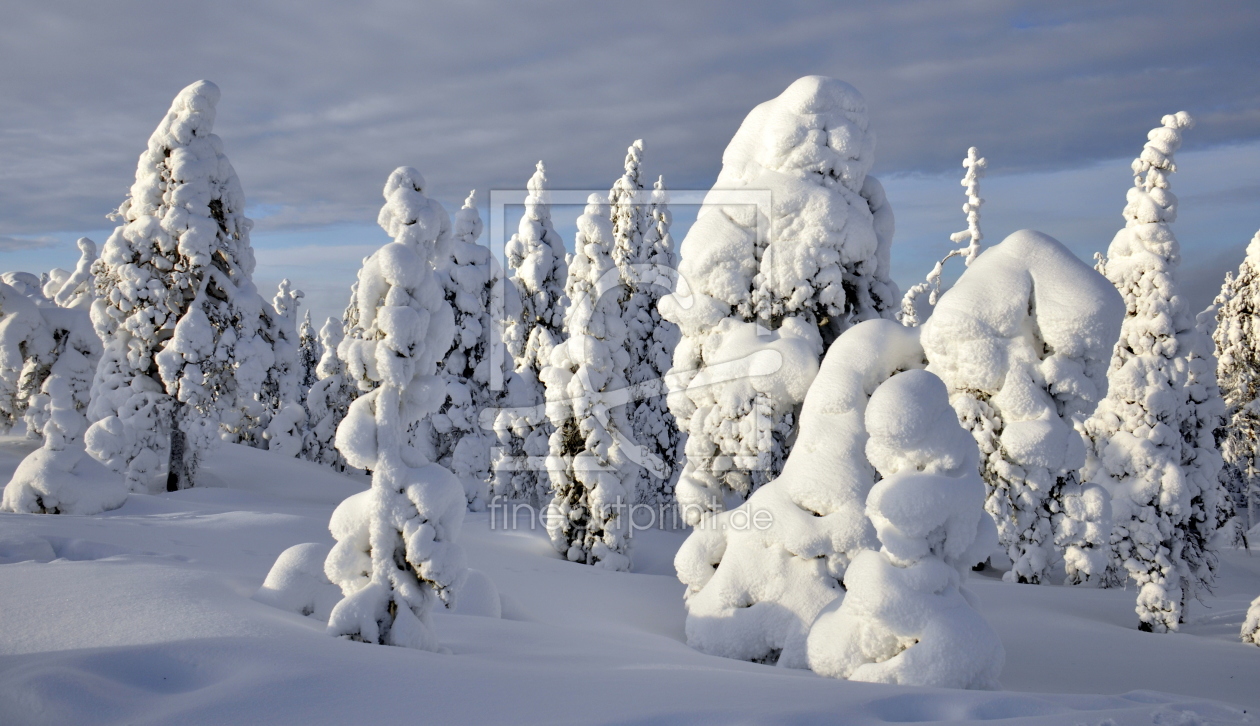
[(592, 482), (1150, 441), (1237, 339), (644, 255), (815, 266), (174, 302), (535, 254), (401, 327)]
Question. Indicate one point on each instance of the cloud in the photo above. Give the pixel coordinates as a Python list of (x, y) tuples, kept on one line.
[(14, 244), (321, 101)]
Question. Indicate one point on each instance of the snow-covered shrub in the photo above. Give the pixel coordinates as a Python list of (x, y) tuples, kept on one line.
[(400, 325), (76, 289), (904, 618), (174, 302), (757, 575), (59, 477), (592, 482), (1251, 624), (1237, 338), (1022, 341), (535, 254), (297, 583), (468, 280), (824, 269), (328, 400), (644, 254), (1150, 442), (914, 309)]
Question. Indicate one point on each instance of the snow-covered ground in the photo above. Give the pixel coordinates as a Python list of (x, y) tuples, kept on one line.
[(144, 615)]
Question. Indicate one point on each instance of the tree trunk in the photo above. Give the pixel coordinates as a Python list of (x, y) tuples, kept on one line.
[(176, 475)]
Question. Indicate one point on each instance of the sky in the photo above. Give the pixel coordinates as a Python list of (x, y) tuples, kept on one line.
[(321, 100)]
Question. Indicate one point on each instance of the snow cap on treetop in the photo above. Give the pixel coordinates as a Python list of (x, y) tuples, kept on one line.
[(817, 126)]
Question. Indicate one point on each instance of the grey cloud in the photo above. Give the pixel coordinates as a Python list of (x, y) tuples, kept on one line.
[(14, 244), (321, 100)]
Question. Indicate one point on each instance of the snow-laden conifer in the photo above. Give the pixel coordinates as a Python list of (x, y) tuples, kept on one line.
[(174, 302), (400, 326), (1237, 339), (1251, 624), (1022, 341), (309, 353), (536, 257), (905, 617), (468, 280), (644, 255), (816, 265), (1150, 440), (592, 482), (914, 309), (328, 400)]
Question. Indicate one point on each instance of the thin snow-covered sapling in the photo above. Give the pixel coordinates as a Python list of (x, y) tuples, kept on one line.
[(913, 311), (905, 617)]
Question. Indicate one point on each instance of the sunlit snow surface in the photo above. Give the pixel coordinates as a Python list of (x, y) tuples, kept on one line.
[(144, 615)]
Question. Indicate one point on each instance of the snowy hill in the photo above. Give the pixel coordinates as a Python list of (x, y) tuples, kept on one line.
[(144, 615)]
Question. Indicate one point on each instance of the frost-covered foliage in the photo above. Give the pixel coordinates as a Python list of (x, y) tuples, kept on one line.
[(1237, 338), (1150, 441), (310, 350), (175, 306), (1022, 341), (592, 481), (1251, 624), (644, 254), (758, 574), (400, 326), (328, 400), (535, 255), (807, 267), (468, 280), (904, 618), (59, 477), (273, 413), (913, 309), (75, 289)]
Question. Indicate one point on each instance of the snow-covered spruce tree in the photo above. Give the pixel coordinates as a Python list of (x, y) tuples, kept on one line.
[(468, 280), (280, 418), (1146, 442), (644, 255), (758, 574), (328, 400), (915, 309), (535, 254), (592, 482), (1237, 338), (824, 268), (172, 281), (26, 349), (309, 352), (401, 326), (905, 617), (1022, 341)]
